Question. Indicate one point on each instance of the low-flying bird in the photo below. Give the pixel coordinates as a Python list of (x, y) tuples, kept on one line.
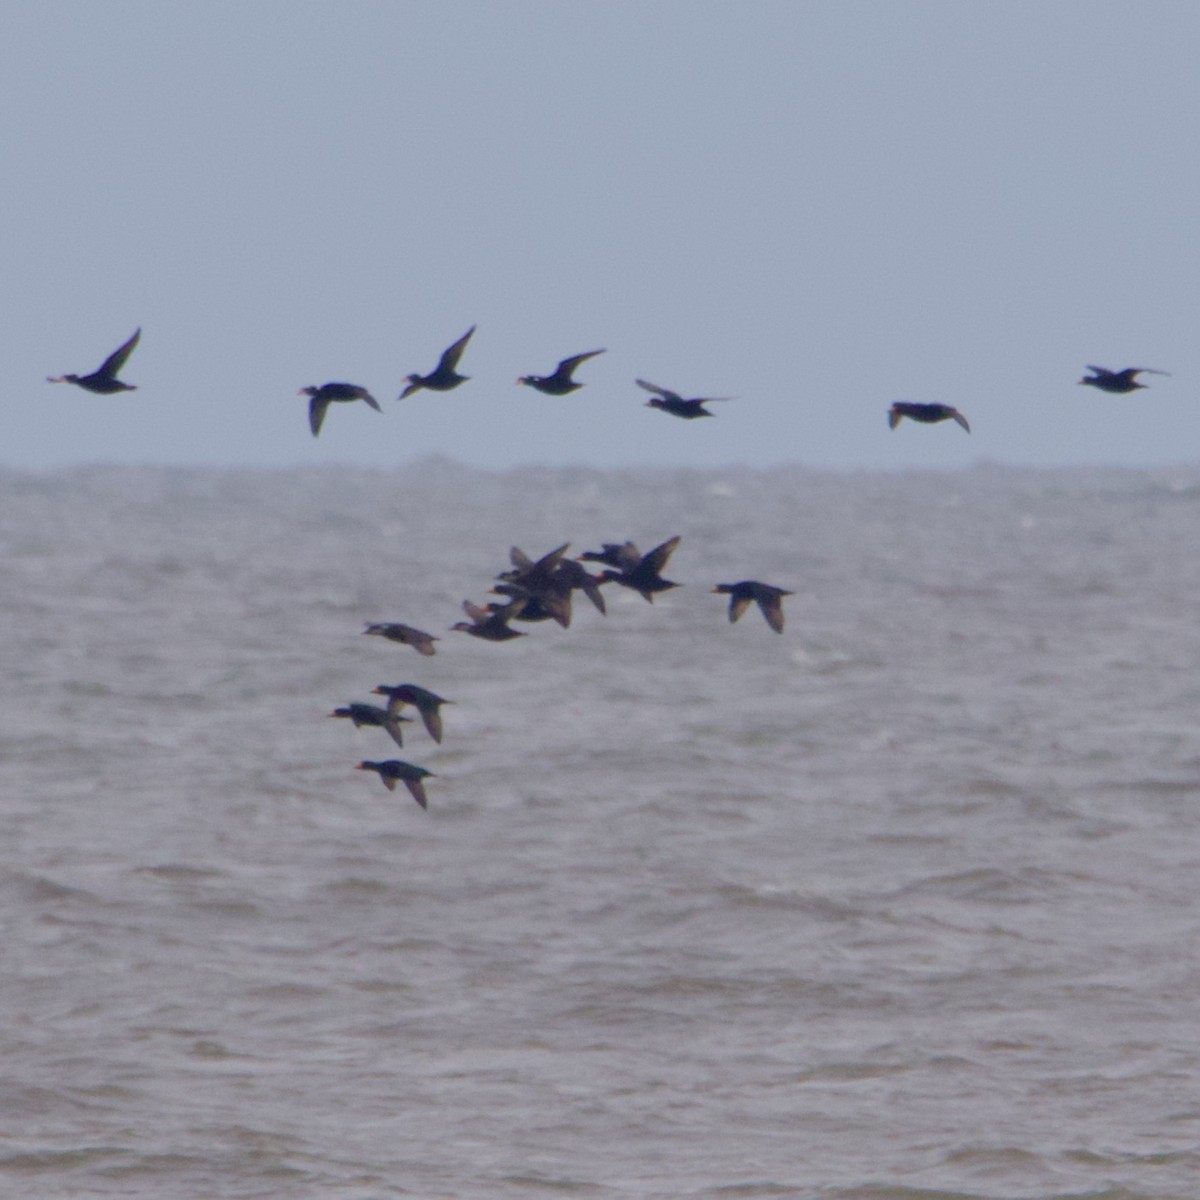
[(644, 576), (406, 635), (320, 398), (560, 383), (926, 414), (444, 376), (395, 771), (370, 714), (103, 381), (491, 624), (427, 703), (748, 591), (1120, 382), (676, 405)]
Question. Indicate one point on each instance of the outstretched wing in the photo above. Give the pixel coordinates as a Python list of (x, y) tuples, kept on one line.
[(116, 360), (568, 365), (450, 357), (657, 558), (665, 393)]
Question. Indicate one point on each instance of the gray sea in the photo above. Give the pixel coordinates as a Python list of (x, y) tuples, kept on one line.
[(901, 904)]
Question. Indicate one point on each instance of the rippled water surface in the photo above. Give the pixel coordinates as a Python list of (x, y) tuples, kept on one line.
[(900, 904)]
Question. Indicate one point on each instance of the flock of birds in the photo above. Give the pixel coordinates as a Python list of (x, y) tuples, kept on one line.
[(534, 590), (541, 589)]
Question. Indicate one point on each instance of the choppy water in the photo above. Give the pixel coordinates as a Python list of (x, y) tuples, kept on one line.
[(901, 904)]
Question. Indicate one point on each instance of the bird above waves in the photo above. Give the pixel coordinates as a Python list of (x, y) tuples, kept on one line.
[(1119, 382), (560, 383), (370, 714), (676, 405), (427, 703), (395, 771), (768, 597), (445, 375), (645, 576), (103, 381), (406, 635), (491, 624), (926, 414), (623, 556), (320, 398)]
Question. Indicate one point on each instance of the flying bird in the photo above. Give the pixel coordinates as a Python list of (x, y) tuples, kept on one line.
[(768, 598), (444, 376), (676, 405), (103, 381), (406, 635), (369, 714), (427, 703), (491, 624), (1120, 382), (560, 383), (926, 414), (325, 395), (645, 575), (395, 771)]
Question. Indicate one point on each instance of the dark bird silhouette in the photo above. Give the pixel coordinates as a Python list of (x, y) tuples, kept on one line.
[(560, 383), (427, 703), (1120, 382), (743, 594), (444, 376), (320, 398), (926, 414), (538, 584), (103, 381), (645, 576), (394, 771), (369, 714), (623, 556), (676, 405), (491, 624), (406, 635)]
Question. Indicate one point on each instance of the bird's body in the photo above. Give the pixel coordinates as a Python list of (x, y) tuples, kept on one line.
[(560, 383), (926, 414), (406, 635), (491, 624), (676, 405), (1118, 382), (645, 575), (103, 381), (320, 398), (749, 591), (395, 771), (444, 376), (427, 703), (370, 714)]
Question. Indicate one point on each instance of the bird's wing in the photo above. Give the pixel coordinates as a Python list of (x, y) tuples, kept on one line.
[(371, 400), (737, 606), (1104, 372), (116, 360), (772, 609), (392, 724), (450, 357), (961, 420), (316, 413), (417, 788), (657, 558), (569, 364), (663, 392)]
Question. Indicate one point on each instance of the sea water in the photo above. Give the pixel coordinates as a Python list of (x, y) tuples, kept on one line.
[(899, 904)]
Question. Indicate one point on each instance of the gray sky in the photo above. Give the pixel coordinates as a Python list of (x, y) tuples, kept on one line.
[(817, 207)]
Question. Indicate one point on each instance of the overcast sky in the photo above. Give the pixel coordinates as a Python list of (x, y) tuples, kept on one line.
[(815, 206)]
